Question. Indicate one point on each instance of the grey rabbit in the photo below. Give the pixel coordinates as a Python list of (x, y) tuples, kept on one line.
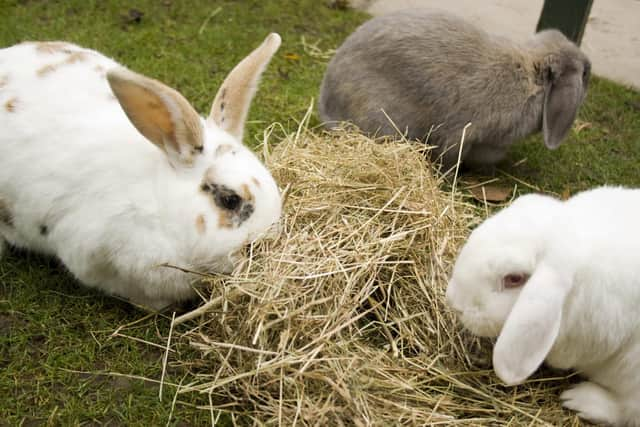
[(432, 73)]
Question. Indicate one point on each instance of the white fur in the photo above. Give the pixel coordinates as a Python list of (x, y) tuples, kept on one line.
[(114, 207), (580, 308)]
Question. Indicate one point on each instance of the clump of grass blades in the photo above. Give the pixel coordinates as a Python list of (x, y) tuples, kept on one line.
[(341, 320)]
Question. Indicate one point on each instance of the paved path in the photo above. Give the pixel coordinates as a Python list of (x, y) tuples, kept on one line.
[(611, 39)]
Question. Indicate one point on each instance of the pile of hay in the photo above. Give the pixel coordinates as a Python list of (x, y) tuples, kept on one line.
[(341, 320)]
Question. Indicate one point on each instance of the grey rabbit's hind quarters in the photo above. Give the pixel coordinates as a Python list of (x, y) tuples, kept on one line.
[(428, 74)]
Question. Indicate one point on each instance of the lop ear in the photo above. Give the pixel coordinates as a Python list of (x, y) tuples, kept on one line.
[(159, 113), (231, 104), (563, 93), (531, 327)]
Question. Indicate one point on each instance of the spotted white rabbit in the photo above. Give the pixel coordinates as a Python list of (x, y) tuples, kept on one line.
[(429, 73), (560, 281), (117, 175)]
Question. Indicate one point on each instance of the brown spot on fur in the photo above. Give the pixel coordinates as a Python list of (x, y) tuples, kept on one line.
[(3, 81), (226, 219), (53, 47), (47, 69), (201, 224), (71, 59), (6, 216), (100, 70), (223, 149), (76, 57), (247, 195), (255, 181), (10, 105)]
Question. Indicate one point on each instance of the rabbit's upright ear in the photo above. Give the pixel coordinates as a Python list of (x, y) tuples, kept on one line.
[(231, 104), (563, 94), (159, 113), (532, 326)]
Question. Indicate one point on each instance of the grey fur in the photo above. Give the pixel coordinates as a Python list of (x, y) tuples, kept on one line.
[(432, 73)]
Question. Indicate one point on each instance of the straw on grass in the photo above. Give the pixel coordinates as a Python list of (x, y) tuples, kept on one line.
[(341, 319)]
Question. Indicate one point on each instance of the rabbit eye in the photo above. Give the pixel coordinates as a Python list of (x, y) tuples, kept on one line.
[(514, 280), (230, 201), (223, 196)]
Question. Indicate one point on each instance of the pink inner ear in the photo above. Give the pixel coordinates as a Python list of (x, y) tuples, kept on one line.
[(514, 280)]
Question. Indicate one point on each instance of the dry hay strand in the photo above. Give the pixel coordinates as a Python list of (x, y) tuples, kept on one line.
[(341, 319)]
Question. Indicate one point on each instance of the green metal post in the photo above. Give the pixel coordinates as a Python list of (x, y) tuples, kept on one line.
[(568, 16)]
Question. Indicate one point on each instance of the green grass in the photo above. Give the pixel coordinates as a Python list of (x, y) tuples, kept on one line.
[(605, 151), (57, 341), (50, 328)]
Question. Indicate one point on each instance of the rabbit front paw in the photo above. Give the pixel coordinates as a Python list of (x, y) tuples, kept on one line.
[(592, 403)]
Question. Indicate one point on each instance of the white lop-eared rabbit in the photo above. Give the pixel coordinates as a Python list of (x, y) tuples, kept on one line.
[(560, 282), (117, 175), (429, 73)]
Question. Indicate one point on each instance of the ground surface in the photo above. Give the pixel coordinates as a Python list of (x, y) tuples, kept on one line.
[(57, 346), (59, 343)]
